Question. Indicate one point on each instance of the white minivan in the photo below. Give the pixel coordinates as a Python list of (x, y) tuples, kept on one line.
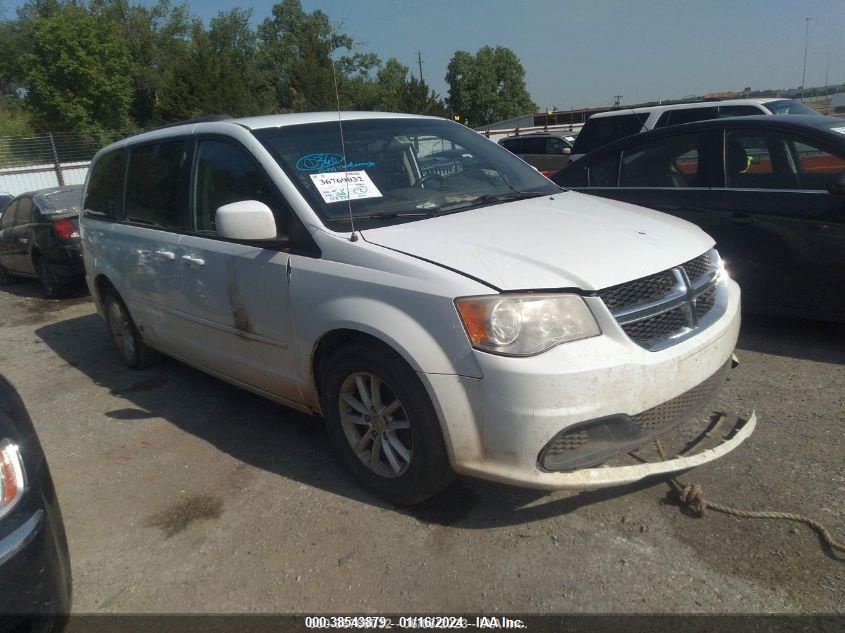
[(443, 316)]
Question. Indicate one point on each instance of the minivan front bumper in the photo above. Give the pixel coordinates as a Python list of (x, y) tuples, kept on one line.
[(497, 427)]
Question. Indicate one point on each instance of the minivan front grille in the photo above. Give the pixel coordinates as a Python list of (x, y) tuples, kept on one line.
[(664, 308), (639, 291), (658, 327), (666, 415), (595, 441), (698, 267)]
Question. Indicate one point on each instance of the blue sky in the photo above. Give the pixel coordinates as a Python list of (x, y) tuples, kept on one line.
[(582, 53)]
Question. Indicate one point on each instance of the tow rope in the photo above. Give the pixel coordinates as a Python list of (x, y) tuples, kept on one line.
[(692, 497)]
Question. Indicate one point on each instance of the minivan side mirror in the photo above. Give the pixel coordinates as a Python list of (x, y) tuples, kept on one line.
[(567, 151), (245, 220), (836, 185)]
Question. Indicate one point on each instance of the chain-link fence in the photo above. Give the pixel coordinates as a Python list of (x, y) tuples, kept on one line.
[(29, 163)]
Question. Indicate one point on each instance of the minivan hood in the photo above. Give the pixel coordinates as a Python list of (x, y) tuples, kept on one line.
[(566, 240)]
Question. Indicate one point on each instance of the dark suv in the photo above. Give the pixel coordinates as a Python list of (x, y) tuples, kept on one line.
[(39, 237), (769, 189)]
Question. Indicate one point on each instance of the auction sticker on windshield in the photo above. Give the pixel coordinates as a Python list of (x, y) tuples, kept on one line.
[(349, 185)]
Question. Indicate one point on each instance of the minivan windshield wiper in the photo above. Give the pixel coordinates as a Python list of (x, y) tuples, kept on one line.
[(491, 198), (384, 215)]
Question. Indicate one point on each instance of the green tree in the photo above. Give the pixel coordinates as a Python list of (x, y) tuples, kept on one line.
[(158, 37), (356, 87), (392, 78), (14, 119), (297, 54), (417, 98), (400, 92), (218, 73), (488, 86), (75, 72)]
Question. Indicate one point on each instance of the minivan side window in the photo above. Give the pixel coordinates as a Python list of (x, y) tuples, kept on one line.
[(556, 146), (738, 110), (26, 211), (533, 145), (512, 144), (152, 184), (600, 131), (672, 161), (104, 195), (225, 173), (758, 160), (691, 115), (816, 166), (8, 217), (604, 171)]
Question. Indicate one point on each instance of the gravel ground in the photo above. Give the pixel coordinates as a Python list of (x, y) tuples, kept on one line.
[(181, 493)]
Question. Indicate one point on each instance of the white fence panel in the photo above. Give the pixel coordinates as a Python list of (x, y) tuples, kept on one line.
[(18, 180)]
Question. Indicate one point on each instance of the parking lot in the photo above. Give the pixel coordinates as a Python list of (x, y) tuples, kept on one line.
[(181, 493)]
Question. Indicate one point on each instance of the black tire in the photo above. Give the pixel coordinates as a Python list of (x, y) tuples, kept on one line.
[(6, 278), (51, 283), (125, 336), (428, 470)]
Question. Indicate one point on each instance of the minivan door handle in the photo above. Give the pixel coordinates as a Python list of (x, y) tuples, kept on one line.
[(196, 261), (166, 255)]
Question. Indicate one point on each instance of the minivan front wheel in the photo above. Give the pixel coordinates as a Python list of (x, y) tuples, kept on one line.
[(381, 421), (127, 341)]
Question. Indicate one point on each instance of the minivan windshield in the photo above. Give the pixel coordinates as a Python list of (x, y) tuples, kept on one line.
[(788, 106), (398, 169)]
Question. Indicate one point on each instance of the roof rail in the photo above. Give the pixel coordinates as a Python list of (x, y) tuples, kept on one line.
[(211, 118)]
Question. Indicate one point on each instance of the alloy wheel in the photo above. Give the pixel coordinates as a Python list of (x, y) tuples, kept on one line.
[(375, 424), (121, 330)]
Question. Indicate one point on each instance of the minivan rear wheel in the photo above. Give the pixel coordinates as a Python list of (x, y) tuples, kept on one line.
[(380, 420), (127, 341)]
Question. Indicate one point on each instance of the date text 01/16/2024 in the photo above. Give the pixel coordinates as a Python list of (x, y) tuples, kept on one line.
[(413, 622)]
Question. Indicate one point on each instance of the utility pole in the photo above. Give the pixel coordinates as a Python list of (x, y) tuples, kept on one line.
[(826, 75), (804, 73), (419, 61)]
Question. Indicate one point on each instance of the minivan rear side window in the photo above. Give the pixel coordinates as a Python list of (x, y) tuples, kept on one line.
[(104, 195), (533, 145), (512, 144), (739, 110), (600, 131), (691, 115), (152, 184)]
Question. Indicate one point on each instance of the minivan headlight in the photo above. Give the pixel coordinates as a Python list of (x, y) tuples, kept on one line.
[(12, 483), (525, 324)]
